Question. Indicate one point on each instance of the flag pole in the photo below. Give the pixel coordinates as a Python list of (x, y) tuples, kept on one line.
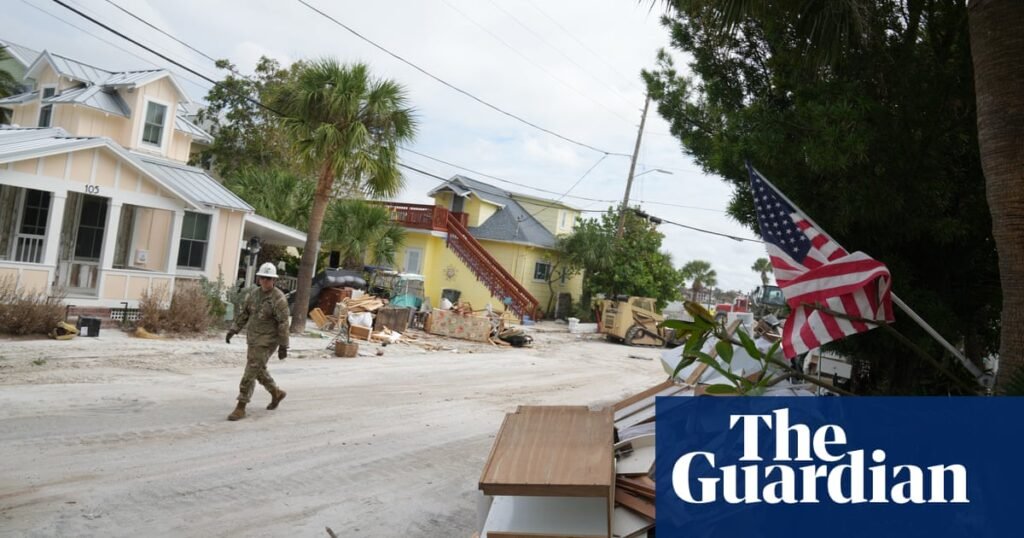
[(983, 378)]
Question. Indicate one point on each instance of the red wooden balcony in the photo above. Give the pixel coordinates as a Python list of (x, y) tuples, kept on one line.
[(422, 216)]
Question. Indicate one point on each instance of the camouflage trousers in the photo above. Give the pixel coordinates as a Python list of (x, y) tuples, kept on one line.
[(256, 370)]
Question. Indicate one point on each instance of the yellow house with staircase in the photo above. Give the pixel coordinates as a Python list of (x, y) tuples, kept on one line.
[(485, 245)]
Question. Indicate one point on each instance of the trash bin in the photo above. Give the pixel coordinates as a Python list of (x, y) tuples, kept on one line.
[(88, 326)]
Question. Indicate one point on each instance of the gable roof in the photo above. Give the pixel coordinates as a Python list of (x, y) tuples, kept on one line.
[(68, 68), (511, 223), (21, 54), (98, 97), (192, 185)]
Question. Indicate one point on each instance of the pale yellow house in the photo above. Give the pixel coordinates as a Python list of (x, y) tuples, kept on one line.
[(96, 197), (491, 246)]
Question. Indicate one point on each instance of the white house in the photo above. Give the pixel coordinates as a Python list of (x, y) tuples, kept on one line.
[(96, 197)]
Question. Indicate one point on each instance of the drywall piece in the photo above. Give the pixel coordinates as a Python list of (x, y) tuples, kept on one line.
[(637, 455), (582, 517), (629, 524)]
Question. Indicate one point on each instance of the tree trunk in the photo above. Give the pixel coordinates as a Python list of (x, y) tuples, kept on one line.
[(997, 49), (309, 254)]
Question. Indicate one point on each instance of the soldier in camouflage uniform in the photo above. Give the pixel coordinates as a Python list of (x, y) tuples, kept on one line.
[(265, 309)]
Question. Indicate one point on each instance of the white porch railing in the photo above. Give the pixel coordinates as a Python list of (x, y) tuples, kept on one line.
[(29, 248)]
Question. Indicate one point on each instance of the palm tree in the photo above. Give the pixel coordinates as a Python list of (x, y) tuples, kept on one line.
[(997, 50), (344, 125), (277, 194), (701, 276), (763, 266), (360, 231)]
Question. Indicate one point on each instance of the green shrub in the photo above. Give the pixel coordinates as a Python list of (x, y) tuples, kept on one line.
[(28, 312)]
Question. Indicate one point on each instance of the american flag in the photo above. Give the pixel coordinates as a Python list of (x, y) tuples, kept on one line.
[(813, 269)]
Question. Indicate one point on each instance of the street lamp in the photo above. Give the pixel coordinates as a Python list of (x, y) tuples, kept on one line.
[(625, 199)]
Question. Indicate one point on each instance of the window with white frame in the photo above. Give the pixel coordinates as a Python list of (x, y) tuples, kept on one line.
[(153, 126), (46, 111), (195, 235), (541, 270), (413, 260)]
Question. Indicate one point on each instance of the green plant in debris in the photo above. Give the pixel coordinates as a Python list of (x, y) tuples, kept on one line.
[(697, 333), (215, 292), (39, 362)]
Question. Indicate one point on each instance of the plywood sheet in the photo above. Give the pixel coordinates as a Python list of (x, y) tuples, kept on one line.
[(552, 450)]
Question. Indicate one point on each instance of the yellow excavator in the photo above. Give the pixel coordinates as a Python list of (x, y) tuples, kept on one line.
[(633, 321)]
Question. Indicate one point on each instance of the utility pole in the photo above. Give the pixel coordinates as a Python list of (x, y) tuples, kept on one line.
[(632, 167)]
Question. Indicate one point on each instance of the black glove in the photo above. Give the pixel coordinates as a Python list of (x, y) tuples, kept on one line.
[(231, 333), (282, 353)]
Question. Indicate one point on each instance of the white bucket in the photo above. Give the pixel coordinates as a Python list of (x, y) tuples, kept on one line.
[(573, 323)]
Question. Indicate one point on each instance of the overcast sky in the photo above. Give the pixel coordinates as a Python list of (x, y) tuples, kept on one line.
[(570, 66)]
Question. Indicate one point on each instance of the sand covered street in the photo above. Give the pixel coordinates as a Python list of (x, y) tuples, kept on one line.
[(120, 436)]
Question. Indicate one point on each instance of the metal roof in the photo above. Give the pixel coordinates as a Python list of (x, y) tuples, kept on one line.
[(20, 98), (194, 181), (511, 223), (184, 125), (66, 67), (134, 78), (97, 97), (22, 54), (18, 144)]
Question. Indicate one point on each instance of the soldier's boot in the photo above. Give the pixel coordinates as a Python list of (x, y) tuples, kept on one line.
[(238, 413), (275, 399)]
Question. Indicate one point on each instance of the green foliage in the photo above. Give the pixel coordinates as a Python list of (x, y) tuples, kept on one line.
[(361, 231), (762, 266), (8, 85), (344, 125), (247, 135), (700, 330), (870, 127), (633, 265), (275, 193), (701, 276)]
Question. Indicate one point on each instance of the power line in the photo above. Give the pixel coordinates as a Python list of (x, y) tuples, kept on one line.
[(566, 193), (456, 88), (143, 21), (688, 227), (681, 206), (519, 53), (496, 178), (256, 102), (542, 39), (118, 47)]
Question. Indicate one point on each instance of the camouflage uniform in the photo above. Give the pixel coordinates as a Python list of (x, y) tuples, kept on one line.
[(268, 329)]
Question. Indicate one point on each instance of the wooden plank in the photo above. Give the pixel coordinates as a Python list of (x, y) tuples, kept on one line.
[(645, 415), (635, 486), (647, 402), (535, 517), (556, 450), (644, 394), (634, 502)]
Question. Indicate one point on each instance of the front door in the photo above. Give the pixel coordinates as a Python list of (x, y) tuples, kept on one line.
[(81, 242)]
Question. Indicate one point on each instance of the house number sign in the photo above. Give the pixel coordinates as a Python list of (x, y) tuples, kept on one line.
[(92, 189)]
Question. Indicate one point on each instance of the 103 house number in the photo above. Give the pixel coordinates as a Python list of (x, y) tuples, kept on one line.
[(92, 189)]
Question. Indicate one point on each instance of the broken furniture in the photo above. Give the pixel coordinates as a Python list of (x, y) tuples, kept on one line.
[(550, 473), (456, 325)]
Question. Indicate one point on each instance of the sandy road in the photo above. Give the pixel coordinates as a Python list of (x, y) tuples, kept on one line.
[(118, 436)]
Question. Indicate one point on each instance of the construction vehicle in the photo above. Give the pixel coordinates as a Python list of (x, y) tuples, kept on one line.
[(739, 304), (633, 321), (768, 301)]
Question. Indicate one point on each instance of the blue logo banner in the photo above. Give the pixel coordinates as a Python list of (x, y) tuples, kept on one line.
[(839, 467)]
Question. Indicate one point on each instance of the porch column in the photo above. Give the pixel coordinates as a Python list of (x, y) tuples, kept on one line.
[(54, 224), (172, 258), (110, 236)]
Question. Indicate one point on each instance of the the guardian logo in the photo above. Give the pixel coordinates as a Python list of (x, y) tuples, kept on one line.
[(810, 467)]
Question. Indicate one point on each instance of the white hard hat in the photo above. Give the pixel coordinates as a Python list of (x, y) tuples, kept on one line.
[(268, 270)]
